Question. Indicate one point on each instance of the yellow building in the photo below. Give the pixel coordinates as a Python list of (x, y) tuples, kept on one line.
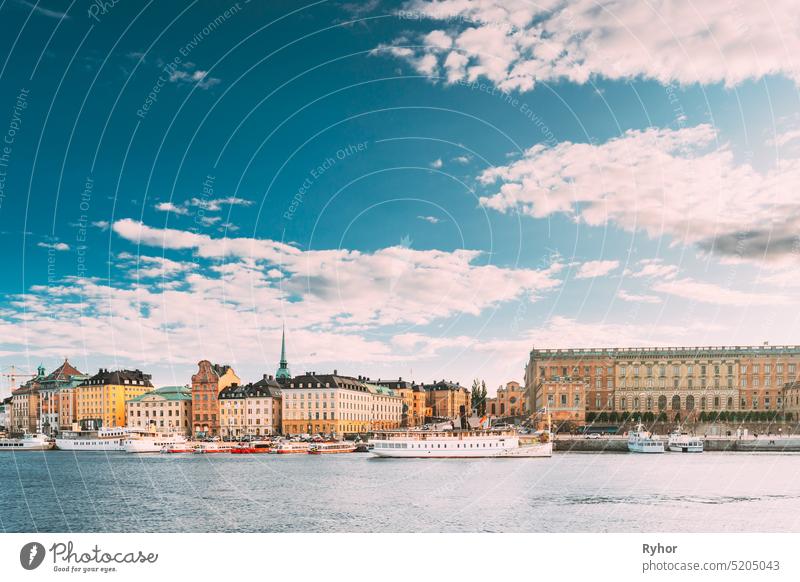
[(252, 409), (330, 403), (103, 396), (414, 400), (448, 400), (510, 401)]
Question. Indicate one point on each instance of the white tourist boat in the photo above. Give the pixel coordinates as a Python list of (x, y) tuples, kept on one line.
[(332, 448), (290, 448), (153, 442), (28, 442), (680, 442), (104, 439), (642, 441), (460, 444)]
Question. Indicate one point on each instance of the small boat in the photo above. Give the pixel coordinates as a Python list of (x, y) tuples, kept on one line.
[(145, 442), (680, 442), (290, 448), (642, 441), (177, 449), (213, 447), (332, 448), (252, 448), (28, 442)]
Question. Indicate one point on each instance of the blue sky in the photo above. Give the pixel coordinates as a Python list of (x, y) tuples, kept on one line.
[(420, 189)]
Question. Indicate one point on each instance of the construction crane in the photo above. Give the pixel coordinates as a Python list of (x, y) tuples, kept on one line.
[(13, 376)]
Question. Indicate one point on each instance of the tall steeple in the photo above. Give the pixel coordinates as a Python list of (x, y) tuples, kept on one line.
[(283, 372)]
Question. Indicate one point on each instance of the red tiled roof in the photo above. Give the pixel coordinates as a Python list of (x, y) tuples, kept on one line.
[(64, 371)]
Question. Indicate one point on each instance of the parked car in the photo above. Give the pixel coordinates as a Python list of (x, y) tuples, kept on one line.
[(592, 435)]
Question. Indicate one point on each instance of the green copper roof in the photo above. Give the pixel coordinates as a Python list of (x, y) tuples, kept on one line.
[(283, 368), (167, 393)]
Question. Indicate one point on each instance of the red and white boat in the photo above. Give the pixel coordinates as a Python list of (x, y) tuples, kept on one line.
[(252, 448), (332, 448), (208, 448), (290, 448), (176, 449)]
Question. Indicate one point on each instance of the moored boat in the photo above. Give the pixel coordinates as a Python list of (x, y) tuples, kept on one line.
[(152, 442), (28, 442), (213, 447), (642, 441), (332, 448), (472, 443), (680, 442), (101, 440), (252, 448), (290, 448)]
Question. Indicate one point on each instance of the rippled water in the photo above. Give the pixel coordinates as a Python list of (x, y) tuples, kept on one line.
[(713, 492)]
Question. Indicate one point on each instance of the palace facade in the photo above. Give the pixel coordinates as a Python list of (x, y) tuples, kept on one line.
[(678, 381)]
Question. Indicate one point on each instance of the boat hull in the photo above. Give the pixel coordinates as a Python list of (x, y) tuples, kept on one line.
[(682, 448), (651, 448), (91, 445), (538, 450), (23, 446)]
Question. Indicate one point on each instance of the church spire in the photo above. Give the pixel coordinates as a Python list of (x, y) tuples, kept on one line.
[(283, 372)]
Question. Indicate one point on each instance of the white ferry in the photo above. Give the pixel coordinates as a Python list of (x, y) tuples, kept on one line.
[(28, 442), (460, 444), (332, 448), (103, 439), (290, 448), (153, 442), (642, 441), (680, 442)]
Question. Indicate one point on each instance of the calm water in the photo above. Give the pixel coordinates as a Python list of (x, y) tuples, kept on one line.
[(713, 492)]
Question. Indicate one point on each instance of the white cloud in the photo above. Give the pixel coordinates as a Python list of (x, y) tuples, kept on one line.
[(190, 74), (652, 269), (42, 10), (170, 207), (703, 292), (101, 224), (591, 269), (54, 246), (335, 302), (462, 159), (437, 163), (431, 219), (517, 43), (215, 204), (676, 183), (637, 298)]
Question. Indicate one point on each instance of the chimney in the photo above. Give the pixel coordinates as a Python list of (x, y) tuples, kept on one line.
[(265, 376), (336, 372)]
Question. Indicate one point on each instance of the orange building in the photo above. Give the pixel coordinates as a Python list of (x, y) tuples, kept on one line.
[(510, 401), (447, 399)]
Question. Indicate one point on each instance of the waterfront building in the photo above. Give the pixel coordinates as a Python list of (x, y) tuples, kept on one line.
[(25, 408), (565, 400), (387, 408), (58, 390), (331, 403), (5, 414), (791, 399), (510, 401), (414, 400), (103, 396), (167, 409), (207, 383), (677, 382), (447, 399), (251, 409)]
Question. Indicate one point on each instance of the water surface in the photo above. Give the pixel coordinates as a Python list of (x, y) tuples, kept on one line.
[(60, 491)]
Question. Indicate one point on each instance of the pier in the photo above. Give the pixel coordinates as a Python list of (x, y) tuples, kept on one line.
[(619, 444)]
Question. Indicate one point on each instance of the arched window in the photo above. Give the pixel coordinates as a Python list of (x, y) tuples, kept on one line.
[(662, 403), (676, 402), (690, 402)]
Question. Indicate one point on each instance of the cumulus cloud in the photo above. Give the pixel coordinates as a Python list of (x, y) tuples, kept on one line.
[(170, 207), (680, 183), (54, 246), (591, 269), (221, 298), (189, 73), (517, 43), (437, 163), (216, 204)]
